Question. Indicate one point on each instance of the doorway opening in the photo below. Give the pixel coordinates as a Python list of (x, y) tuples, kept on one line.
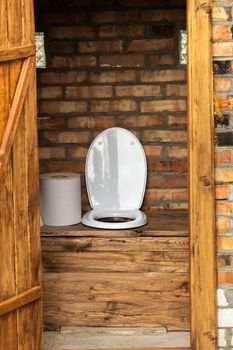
[(116, 63)]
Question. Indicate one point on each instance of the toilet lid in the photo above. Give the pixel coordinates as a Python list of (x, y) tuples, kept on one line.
[(116, 171)]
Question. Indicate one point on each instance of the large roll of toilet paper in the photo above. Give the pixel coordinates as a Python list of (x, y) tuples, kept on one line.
[(60, 196)]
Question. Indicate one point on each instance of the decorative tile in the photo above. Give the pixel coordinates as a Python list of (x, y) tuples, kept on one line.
[(40, 50), (183, 51)]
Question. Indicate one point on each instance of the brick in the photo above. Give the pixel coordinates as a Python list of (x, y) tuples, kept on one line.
[(177, 206), (222, 225), (151, 45), (63, 106), (163, 15), (51, 122), (88, 91), (121, 61), (64, 17), (113, 77), (177, 152), (49, 92), (223, 103), (222, 32), (224, 261), (224, 175), (163, 30), (66, 136), (114, 16), (222, 191), (100, 46), (177, 120), (225, 277), (62, 77), (138, 90), (220, 13), (165, 135), (163, 105), (223, 67), (141, 3), (225, 317), (71, 32), (222, 84), (224, 208), (77, 152), (91, 122), (172, 166), (225, 243), (72, 61), (140, 121), (222, 156), (91, 3), (126, 30), (155, 181), (163, 75), (113, 105), (161, 60), (51, 152), (165, 194), (152, 151), (78, 167), (60, 47), (223, 49), (176, 181), (176, 90)]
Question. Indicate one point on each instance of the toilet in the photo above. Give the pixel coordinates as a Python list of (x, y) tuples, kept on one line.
[(116, 174)]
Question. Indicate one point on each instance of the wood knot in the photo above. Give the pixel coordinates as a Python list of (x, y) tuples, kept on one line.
[(206, 181), (206, 8), (211, 336)]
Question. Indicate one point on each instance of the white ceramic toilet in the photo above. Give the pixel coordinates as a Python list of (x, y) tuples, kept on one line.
[(116, 173)]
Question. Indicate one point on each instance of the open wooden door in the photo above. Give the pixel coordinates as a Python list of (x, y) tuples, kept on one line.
[(20, 257)]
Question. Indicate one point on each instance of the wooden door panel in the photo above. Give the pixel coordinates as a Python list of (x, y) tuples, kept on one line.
[(20, 262)]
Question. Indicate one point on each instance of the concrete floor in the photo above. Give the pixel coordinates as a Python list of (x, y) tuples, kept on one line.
[(74, 338)]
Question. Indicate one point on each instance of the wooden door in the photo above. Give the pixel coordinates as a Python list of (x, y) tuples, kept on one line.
[(20, 258)]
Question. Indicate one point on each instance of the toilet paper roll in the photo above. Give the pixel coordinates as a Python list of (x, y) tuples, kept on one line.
[(60, 195)]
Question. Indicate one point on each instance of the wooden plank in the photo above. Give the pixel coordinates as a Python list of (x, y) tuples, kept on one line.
[(15, 112), (107, 299), (161, 223), (116, 262), (15, 53), (138, 244), (172, 314), (19, 300), (201, 177), (105, 286)]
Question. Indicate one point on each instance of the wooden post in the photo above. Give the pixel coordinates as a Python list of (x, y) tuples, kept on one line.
[(201, 177)]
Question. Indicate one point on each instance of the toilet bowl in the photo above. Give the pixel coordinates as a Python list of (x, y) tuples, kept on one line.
[(116, 173)]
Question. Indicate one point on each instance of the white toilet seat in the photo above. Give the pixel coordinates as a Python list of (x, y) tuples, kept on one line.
[(116, 174), (138, 218)]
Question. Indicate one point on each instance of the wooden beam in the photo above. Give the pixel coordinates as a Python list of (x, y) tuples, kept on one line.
[(15, 53), (15, 112), (201, 177), (20, 300)]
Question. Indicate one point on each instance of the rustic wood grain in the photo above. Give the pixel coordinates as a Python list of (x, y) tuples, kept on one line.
[(161, 223), (201, 177), (109, 281), (15, 53), (20, 278)]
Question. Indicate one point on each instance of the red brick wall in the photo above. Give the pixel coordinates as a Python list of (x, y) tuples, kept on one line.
[(115, 63), (223, 106)]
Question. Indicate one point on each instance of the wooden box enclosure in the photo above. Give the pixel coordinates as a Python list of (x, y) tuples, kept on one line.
[(118, 278)]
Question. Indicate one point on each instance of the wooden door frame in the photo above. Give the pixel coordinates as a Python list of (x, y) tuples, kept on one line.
[(201, 177)]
